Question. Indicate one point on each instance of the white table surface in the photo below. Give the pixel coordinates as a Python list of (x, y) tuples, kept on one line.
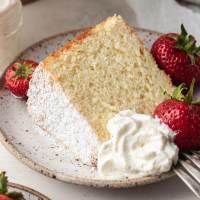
[(47, 17)]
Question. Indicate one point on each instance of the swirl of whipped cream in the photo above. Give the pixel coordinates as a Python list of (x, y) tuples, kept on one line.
[(140, 145)]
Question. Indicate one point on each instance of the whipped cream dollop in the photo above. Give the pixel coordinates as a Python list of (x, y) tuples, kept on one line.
[(140, 145)]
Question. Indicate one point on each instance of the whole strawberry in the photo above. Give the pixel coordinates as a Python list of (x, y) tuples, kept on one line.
[(182, 114), (18, 76), (4, 193), (179, 56)]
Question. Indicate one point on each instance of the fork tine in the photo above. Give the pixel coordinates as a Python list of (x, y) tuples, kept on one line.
[(194, 160), (191, 170), (188, 180), (196, 153)]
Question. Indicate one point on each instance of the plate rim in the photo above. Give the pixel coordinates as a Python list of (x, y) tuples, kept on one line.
[(98, 183), (29, 190)]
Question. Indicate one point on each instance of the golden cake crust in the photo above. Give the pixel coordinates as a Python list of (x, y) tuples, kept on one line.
[(96, 105)]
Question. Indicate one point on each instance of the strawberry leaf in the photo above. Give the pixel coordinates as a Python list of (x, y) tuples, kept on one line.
[(3, 183), (183, 31), (198, 51), (15, 195), (188, 97), (4, 188), (187, 43), (23, 71), (178, 92)]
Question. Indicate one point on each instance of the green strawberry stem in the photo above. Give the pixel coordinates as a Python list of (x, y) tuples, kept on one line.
[(188, 97), (4, 188), (23, 70), (190, 93), (187, 43)]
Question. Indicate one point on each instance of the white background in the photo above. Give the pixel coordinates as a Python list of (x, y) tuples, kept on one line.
[(47, 17)]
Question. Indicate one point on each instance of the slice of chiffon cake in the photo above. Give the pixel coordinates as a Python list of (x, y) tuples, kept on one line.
[(77, 89)]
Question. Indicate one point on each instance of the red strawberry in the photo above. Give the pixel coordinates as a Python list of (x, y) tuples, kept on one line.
[(178, 56), (3, 197), (18, 76), (182, 114), (4, 193), (198, 61), (185, 73)]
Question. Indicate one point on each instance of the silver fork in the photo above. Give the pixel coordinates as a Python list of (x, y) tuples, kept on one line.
[(188, 170)]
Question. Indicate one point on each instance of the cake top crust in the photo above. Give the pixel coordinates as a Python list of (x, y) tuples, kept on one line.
[(107, 69)]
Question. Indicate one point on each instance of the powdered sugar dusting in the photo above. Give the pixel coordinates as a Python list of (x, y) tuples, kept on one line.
[(51, 110)]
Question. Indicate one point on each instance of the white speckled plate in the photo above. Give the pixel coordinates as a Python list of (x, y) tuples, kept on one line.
[(29, 194), (31, 146)]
